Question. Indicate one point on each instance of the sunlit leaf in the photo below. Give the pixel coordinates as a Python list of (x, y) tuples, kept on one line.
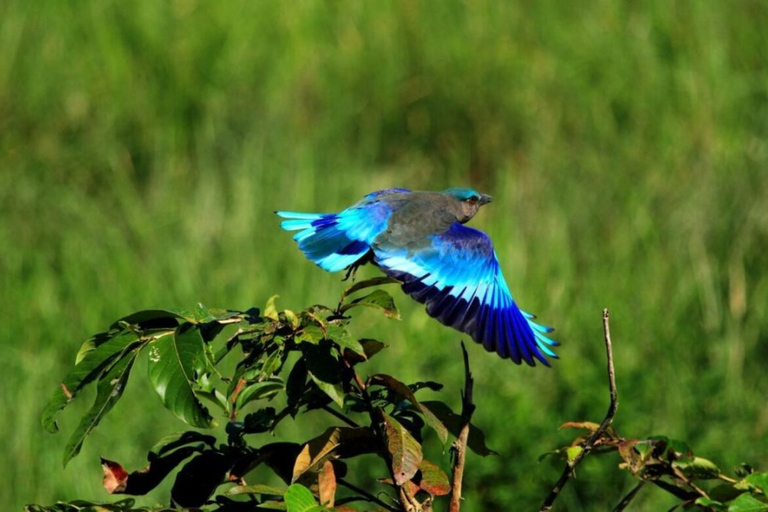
[(334, 442), (326, 485), (403, 448), (299, 499), (375, 281), (747, 503), (255, 489), (175, 363), (108, 391), (377, 299), (270, 311), (697, 467)]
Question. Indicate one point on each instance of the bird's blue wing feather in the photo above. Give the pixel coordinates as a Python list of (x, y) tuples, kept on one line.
[(334, 241), (457, 275)]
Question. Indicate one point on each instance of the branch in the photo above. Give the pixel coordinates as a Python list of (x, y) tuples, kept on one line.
[(590, 443), (629, 497), (339, 415), (364, 495), (459, 448)]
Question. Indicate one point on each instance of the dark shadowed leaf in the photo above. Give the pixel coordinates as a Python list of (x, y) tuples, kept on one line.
[(299, 499), (279, 457), (199, 478), (126, 505), (259, 390), (157, 318), (118, 481), (404, 391), (324, 370), (179, 439), (377, 299), (404, 450), (108, 391), (90, 367), (453, 422), (175, 363), (297, 384)]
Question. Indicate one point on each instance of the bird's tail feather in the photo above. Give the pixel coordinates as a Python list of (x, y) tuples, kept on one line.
[(325, 239)]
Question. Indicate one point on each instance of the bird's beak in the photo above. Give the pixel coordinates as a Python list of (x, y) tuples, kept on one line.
[(485, 199)]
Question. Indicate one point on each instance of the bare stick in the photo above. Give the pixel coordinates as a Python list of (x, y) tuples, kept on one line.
[(459, 447), (590, 443), (629, 497), (364, 495)]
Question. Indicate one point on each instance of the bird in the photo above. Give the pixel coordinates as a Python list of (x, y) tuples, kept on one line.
[(420, 239)]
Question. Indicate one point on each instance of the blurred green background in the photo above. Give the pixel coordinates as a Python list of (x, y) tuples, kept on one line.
[(144, 146)]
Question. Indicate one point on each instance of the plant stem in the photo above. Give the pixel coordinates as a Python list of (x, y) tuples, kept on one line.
[(339, 415), (459, 447), (365, 495), (590, 443)]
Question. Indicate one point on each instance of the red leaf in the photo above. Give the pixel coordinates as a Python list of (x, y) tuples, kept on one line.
[(115, 476)]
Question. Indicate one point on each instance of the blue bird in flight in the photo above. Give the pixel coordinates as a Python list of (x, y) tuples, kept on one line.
[(419, 238)]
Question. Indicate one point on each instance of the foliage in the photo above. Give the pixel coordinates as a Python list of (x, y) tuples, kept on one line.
[(671, 465), (290, 363)]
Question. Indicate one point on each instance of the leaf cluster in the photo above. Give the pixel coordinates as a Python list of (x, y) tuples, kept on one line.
[(288, 363), (671, 465)]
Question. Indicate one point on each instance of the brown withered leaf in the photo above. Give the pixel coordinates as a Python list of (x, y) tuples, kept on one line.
[(335, 442), (326, 483), (433, 479)]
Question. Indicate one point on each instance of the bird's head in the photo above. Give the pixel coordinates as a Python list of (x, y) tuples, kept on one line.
[(466, 202)]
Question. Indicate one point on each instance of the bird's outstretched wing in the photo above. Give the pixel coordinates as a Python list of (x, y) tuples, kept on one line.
[(334, 241), (457, 275)]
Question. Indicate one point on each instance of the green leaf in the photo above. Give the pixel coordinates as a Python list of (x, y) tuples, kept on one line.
[(378, 299), (270, 311), (92, 365), (154, 317), (179, 439), (747, 503), (255, 489), (404, 450), (343, 339), (376, 281), (759, 480), (697, 467), (175, 363), (711, 504), (259, 390), (453, 422), (108, 391), (572, 452), (324, 370), (406, 392), (299, 499)]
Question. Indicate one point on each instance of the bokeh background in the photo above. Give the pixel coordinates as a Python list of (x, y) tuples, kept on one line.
[(144, 146)]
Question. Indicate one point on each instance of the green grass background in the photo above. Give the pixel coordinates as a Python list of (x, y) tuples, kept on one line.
[(144, 146)]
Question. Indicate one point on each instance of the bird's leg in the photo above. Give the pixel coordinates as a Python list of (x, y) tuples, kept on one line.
[(352, 269)]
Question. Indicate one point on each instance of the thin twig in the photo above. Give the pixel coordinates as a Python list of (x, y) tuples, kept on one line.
[(363, 495), (629, 497), (339, 415), (590, 443), (459, 447)]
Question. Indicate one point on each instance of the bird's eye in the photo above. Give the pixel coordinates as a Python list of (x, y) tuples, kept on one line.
[(472, 199)]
